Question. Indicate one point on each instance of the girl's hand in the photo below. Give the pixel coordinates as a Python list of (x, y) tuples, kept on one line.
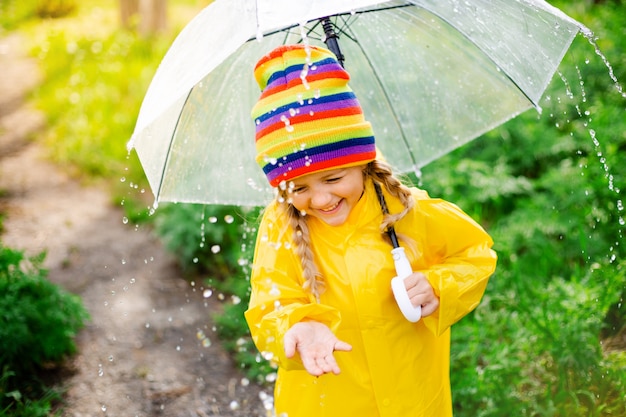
[(315, 343), (421, 293)]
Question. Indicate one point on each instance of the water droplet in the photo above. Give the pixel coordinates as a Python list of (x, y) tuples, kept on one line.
[(229, 219), (274, 292), (234, 405), (207, 293), (216, 248), (212, 219)]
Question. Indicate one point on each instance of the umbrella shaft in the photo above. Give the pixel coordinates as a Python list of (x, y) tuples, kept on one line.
[(332, 39)]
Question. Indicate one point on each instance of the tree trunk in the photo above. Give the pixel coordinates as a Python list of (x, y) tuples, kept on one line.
[(153, 16), (148, 16), (129, 10)]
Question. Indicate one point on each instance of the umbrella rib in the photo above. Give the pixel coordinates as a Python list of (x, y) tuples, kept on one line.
[(388, 100), (288, 28), (169, 148), (485, 53)]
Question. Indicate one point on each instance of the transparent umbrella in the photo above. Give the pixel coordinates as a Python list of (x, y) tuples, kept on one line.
[(431, 75)]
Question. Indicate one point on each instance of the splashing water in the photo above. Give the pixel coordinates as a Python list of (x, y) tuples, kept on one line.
[(592, 40), (585, 116)]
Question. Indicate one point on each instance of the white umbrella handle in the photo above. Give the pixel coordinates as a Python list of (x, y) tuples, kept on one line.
[(403, 270)]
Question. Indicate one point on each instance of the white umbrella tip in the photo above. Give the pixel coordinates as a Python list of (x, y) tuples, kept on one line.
[(130, 144)]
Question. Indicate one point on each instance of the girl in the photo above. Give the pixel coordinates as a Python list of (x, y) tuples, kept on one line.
[(321, 305)]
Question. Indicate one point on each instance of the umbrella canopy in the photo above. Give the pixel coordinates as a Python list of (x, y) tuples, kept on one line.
[(431, 75)]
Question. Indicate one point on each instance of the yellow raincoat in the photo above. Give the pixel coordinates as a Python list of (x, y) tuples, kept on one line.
[(396, 368)]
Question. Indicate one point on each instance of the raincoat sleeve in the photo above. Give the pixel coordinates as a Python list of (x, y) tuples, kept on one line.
[(277, 300), (459, 259)]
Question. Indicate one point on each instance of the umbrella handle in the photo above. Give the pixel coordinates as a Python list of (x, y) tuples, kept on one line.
[(403, 270)]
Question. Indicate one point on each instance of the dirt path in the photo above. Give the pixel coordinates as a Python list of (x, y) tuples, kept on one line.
[(140, 355)]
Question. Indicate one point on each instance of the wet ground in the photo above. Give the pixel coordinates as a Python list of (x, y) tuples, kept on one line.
[(150, 347)]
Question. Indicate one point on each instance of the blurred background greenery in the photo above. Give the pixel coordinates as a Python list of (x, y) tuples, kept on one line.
[(549, 336)]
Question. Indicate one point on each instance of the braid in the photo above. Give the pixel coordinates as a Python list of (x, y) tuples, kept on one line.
[(313, 280), (381, 173)]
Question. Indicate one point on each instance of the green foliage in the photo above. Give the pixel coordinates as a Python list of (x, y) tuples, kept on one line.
[(92, 96), (548, 189), (233, 330), (535, 351), (39, 319), (194, 233), (55, 8), (38, 323), (14, 403), (206, 239), (13, 13)]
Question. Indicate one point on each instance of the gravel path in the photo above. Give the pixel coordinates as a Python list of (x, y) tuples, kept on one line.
[(150, 347)]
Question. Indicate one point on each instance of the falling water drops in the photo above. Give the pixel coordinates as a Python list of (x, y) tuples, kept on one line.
[(274, 292)]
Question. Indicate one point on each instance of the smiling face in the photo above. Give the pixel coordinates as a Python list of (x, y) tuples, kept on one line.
[(328, 195)]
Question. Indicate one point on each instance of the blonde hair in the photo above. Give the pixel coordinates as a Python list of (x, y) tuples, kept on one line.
[(381, 173)]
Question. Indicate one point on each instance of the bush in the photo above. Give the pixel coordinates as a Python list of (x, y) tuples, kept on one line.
[(205, 239), (38, 323)]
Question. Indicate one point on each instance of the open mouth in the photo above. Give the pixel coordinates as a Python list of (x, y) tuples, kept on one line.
[(331, 209)]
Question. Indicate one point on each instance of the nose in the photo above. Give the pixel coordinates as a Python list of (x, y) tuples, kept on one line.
[(320, 198)]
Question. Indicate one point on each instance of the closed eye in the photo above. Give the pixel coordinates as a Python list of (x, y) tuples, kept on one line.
[(333, 180)]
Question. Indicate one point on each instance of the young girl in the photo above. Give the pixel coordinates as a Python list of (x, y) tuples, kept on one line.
[(321, 306)]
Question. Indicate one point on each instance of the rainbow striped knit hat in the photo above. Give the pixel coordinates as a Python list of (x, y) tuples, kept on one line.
[(307, 118)]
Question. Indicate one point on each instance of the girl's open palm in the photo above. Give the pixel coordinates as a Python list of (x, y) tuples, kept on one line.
[(315, 343)]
